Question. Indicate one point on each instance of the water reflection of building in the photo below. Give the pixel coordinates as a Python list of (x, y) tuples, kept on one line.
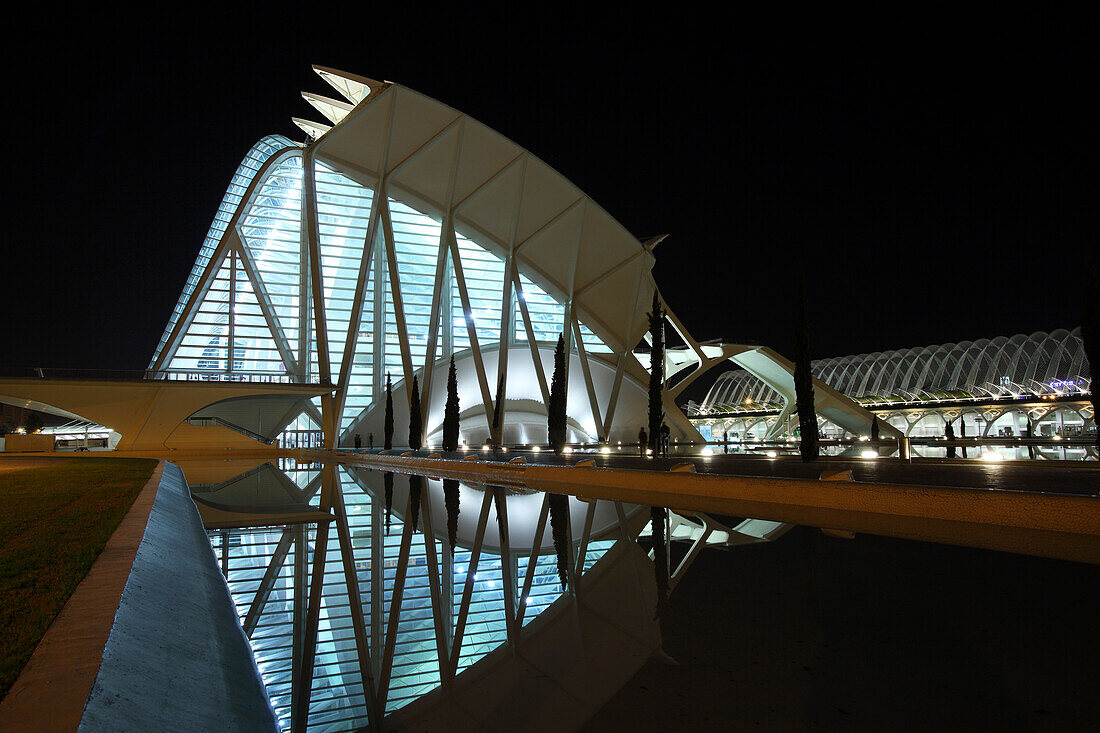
[(1003, 387), (492, 616)]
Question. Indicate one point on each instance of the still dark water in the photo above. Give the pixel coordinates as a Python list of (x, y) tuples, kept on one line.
[(804, 633)]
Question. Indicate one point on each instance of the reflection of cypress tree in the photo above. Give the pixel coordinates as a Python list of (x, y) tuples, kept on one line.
[(962, 433), (660, 558), (803, 378), (388, 479), (416, 429), (498, 499), (559, 529), (450, 498), (416, 483), (874, 428), (656, 372), (949, 433), (388, 424), (450, 411), (556, 410)]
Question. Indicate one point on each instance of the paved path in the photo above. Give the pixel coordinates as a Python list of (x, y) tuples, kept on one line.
[(1082, 479)]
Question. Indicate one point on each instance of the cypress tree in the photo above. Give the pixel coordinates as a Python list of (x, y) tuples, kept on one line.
[(962, 433), (555, 413), (660, 557), (451, 499), (450, 412), (498, 412), (656, 371), (416, 429), (803, 378), (874, 428), (388, 424), (416, 484), (949, 433), (559, 529), (1090, 334)]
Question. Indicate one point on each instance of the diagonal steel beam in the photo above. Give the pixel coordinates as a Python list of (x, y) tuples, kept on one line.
[(532, 560), (351, 582), (259, 289), (395, 611), (268, 581), (442, 649), (468, 590), (507, 569)]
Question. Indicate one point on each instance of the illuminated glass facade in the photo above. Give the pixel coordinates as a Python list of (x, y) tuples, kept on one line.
[(264, 264), (398, 237)]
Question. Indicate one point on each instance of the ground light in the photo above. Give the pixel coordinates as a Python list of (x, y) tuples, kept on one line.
[(707, 452), (567, 450), (771, 454), (992, 456), (870, 454), (535, 449), (605, 450)]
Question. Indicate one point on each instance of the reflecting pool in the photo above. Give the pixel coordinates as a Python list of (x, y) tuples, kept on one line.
[(355, 613)]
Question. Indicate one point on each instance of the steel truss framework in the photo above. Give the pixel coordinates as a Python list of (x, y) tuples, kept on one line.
[(1040, 365), (350, 621), (408, 232)]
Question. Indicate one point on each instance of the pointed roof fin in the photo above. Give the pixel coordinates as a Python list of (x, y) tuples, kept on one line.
[(333, 109), (351, 87), (314, 129)]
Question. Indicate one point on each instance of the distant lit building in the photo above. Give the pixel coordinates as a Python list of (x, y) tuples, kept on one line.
[(1003, 386)]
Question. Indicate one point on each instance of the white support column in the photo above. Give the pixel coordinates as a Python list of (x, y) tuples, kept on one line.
[(313, 245), (536, 358), (471, 329), (351, 340), (586, 372), (231, 317), (398, 303)]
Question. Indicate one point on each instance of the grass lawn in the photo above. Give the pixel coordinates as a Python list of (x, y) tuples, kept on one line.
[(54, 522)]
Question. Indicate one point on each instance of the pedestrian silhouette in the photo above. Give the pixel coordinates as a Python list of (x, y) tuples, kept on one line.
[(358, 442), (642, 440), (370, 440)]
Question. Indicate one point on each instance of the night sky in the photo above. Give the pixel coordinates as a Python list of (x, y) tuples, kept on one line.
[(929, 171)]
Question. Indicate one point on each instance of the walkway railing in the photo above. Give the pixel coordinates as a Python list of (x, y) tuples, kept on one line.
[(147, 375)]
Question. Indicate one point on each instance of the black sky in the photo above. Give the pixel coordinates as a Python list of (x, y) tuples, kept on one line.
[(929, 171)]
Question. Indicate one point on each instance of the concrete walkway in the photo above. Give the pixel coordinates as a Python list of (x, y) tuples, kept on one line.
[(149, 640)]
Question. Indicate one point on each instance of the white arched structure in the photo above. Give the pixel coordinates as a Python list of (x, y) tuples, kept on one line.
[(406, 233), (1041, 364)]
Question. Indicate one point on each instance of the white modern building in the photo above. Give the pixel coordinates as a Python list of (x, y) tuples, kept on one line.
[(1004, 386)]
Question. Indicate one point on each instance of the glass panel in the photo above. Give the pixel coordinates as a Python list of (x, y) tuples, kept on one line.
[(343, 214), (246, 171)]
